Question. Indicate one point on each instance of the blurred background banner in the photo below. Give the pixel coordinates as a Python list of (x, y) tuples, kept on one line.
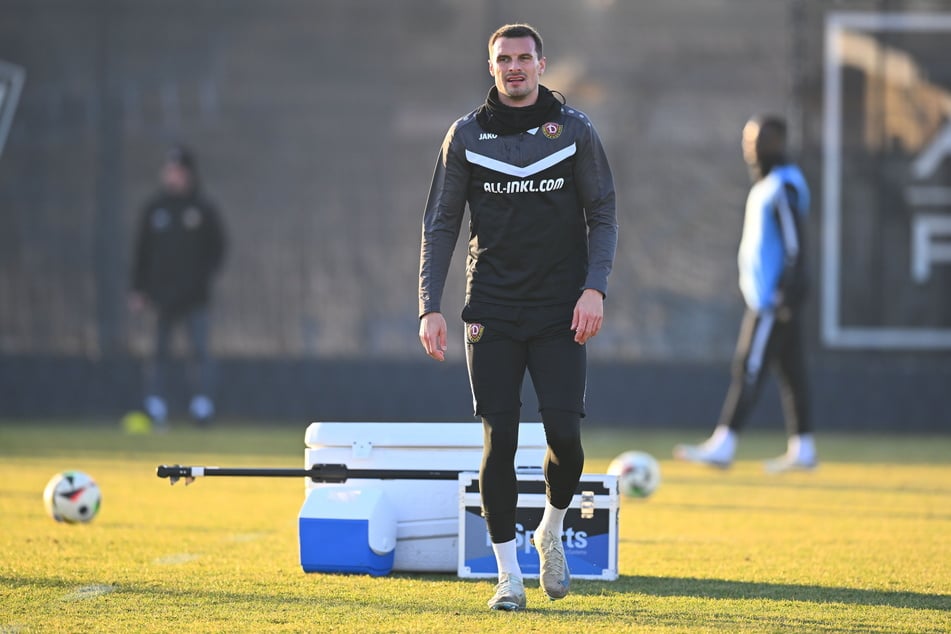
[(886, 228), (11, 84), (316, 126)]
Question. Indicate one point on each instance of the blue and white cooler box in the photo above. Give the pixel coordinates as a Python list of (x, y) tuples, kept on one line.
[(591, 527), (348, 529), (375, 526)]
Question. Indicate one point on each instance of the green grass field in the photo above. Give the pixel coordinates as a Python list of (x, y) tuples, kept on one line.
[(861, 545)]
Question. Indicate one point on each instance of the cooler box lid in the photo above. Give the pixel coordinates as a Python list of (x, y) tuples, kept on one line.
[(413, 435)]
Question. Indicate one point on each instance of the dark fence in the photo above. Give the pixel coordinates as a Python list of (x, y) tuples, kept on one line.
[(316, 126)]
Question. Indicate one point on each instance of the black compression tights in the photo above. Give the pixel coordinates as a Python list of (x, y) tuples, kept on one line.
[(564, 462)]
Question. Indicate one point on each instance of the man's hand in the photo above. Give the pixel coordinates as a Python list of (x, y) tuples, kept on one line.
[(588, 315), (432, 334)]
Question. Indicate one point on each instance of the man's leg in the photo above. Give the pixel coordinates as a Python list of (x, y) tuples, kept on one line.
[(753, 349), (557, 365), (155, 405), (499, 487), (794, 395), (202, 406), (496, 366)]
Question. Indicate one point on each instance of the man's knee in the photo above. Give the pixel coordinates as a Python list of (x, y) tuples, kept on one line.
[(562, 429), (500, 433)]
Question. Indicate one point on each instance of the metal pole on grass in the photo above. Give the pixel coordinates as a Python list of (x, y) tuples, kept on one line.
[(317, 473)]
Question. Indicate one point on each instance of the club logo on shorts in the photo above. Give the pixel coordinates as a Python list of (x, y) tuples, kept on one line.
[(474, 332), (552, 130), (191, 218)]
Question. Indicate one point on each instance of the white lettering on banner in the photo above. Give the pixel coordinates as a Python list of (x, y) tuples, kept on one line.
[(524, 186), (930, 232), (933, 155), (930, 244), (575, 540)]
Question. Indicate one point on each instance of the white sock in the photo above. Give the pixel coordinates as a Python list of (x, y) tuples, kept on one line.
[(553, 519), (155, 408), (202, 407), (506, 556), (802, 447)]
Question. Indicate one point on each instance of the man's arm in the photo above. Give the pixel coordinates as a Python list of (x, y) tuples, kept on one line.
[(138, 286), (216, 242), (791, 287), (442, 220), (596, 187), (759, 259)]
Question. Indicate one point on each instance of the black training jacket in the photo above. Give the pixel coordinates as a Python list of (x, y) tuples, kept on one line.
[(542, 222), (179, 247)]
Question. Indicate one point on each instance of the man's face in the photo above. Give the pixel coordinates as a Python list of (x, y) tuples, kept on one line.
[(750, 137), (175, 178), (515, 66)]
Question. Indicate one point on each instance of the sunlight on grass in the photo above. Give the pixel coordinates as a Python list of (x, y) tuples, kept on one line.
[(861, 545)]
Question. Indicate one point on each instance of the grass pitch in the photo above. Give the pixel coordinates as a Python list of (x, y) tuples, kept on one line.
[(861, 545)]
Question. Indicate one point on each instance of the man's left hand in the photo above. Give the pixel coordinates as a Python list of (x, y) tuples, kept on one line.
[(588, 315)]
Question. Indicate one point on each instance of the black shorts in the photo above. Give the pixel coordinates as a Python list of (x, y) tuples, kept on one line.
[(504, 341)]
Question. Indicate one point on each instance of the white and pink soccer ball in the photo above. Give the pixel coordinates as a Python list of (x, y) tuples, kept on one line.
[(72, 497), (637, 472)]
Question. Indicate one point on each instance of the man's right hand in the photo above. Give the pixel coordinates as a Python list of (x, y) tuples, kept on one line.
[(432, 334)]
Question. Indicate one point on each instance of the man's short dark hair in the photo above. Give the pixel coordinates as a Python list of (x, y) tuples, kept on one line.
[(772, 125), (770, 139), (517, 30)]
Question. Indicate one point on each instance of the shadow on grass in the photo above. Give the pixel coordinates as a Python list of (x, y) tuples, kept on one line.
[(625, 584), (335, 604), (801, 484), (724, 589), (821, 512)]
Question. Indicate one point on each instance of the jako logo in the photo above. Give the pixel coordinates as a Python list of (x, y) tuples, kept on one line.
[(523, 539), (486, 136)]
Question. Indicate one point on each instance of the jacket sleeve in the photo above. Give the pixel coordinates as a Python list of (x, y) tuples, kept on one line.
[(140, 254), (596, 188), (215, 239), (792, 281), (761, 254), (442, 220)]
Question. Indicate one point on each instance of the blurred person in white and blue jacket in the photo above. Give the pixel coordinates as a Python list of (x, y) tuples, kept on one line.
[(773, 282)]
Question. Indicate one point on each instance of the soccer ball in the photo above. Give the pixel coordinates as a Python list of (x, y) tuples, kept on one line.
[(637, 472), (71, 497)]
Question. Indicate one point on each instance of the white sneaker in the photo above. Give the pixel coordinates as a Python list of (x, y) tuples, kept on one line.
[(157, 411), (553, 569), (509, 593), (202, 409), (703, 455), (716, 451), (800, 455)]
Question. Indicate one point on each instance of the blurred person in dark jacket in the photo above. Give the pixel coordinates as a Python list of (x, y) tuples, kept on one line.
[(179, 248)]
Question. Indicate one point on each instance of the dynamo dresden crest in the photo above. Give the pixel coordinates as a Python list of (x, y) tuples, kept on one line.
[(474, 332), (552, 130)]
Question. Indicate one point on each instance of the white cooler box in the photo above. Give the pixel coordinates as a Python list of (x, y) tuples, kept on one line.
[(591, 527), (426, 511)]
